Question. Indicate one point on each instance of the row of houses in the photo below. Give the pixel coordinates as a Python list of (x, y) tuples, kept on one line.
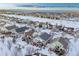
[(55, 15), (67, 29)]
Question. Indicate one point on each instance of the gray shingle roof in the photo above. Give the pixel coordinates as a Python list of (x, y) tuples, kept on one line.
[(11, 27), (22, 29), (64, 42), (45, 36)]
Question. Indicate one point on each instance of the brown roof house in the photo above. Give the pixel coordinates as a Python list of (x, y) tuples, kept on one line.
[(28, 35), (29, 32), (7, 33), (4, 31), (69, 30)]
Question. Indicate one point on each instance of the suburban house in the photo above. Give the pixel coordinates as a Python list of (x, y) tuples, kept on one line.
[(59, 46), (2, 23), (54, 28), (77, 34), (50, 26), (60, 27), (64, 42), (21, 30), (11, 28), (69, 30), (29, 33), (7, 33), (3, 30), (43, 38), (28, 36)]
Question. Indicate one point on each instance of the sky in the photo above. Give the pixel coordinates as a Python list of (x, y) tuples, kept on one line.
[(39, 5), (7, 5), (43, 5)]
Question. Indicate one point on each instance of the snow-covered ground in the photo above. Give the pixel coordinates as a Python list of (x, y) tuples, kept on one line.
[(8, 48), (21, 48), (66, 23)]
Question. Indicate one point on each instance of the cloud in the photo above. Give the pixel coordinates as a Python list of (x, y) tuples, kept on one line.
[(7, 5)]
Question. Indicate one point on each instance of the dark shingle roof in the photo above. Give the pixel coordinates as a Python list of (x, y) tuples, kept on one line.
[(11, 27), (22, 29), (45, 36), (64, 42)]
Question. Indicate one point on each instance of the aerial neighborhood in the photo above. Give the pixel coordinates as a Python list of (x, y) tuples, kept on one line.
[(38, 34)]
